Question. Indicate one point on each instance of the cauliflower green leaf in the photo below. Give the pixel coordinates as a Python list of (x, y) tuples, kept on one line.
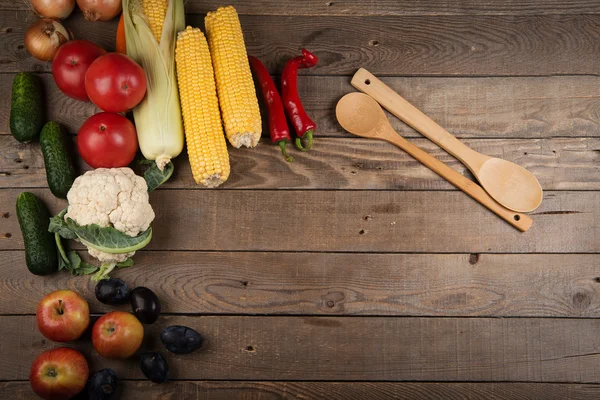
[(109, 239), (106, 269), (106, 239), (155, 177), (71, 261), (60, 226)]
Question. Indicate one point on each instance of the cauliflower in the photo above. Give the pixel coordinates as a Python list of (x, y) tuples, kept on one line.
[(114, 197)]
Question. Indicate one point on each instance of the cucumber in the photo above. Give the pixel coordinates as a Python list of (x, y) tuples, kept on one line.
[(59, 168), (26, 111), (41, 255)]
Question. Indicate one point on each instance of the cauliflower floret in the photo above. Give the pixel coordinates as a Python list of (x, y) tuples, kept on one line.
[(114, 197), (108, 258)]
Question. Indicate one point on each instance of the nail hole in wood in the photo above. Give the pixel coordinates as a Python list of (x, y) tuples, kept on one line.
[(250, 349), (329, 3), (245, 283), (25, 166), (361, 232), (330, 304), (18, 160), (6, 215), (374, 43), (7, 235), (597, 279), (20, 47), (473, 259)]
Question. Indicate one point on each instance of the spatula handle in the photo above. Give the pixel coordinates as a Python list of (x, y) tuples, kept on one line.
[(520, 221), (369, 84)]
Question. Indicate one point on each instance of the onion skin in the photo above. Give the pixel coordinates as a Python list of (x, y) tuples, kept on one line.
[(44, 37), (57, 9), (100, 10)]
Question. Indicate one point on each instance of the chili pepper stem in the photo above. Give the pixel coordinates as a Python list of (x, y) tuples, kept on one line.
[(282, 144), (309, 138)]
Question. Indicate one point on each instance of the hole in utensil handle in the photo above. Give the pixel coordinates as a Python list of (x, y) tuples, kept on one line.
[(517, 217), (367, 81)]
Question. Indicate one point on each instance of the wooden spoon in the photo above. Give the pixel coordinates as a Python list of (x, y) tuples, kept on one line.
[(510, 184), (360, 115)]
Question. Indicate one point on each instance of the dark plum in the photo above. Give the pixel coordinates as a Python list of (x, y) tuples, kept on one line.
[(145, 305), (181, 339), (102, 385), (112, 291), (154, 366)]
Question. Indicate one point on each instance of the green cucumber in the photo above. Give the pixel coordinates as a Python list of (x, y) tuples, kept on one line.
[(41, 254), (59, 168), (27, 109)]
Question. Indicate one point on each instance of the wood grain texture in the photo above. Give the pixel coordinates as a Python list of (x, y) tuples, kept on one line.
[(346, 348), (282, 220), (538, 107), (534, 285), (463, 45), (382, 7), (339, 163), (228, 390)]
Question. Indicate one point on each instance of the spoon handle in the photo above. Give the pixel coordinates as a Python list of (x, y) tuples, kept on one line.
[(369, 84), (520, 221)]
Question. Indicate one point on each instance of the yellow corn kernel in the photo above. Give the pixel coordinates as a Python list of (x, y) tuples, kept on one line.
[(155, 12), (206, 144), (235, 87)]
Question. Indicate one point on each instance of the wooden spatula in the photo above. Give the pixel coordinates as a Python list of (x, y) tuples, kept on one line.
[(508, 183), (360, 115)]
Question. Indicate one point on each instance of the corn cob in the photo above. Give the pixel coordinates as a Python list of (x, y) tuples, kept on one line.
[(204, 136), (155, 11), (235, 86)]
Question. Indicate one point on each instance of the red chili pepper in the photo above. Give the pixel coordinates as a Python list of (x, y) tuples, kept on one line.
[(291, 101), (280, 133)]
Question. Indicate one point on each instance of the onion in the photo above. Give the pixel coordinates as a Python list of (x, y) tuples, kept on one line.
[(44, 37), (99, 10), (58, 9)]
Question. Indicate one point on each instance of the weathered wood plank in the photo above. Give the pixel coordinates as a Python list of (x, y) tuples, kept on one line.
[(227, 390), (347, 348), (539, 107), (337, 284), (280, 220), (388, 45), (559, 164), (382, 7)]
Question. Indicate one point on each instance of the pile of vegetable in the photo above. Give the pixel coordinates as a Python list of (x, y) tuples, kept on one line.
[(180, 85)]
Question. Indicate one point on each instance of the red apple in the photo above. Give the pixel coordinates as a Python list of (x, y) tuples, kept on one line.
[(117, 334), (59, 374), (63, 316)]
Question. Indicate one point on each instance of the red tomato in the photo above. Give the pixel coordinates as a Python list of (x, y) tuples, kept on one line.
[(107, 140), (115, 82), (70, 65)]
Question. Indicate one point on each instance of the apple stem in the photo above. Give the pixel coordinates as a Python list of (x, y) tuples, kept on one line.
[(60, 308)]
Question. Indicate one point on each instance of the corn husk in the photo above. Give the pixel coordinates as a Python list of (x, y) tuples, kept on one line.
[(158, 117)]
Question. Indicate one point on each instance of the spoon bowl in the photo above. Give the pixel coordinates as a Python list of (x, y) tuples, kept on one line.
[(359, 114), (510, 184)]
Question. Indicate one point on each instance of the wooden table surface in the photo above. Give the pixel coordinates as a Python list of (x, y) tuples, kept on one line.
[(355, 272)]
